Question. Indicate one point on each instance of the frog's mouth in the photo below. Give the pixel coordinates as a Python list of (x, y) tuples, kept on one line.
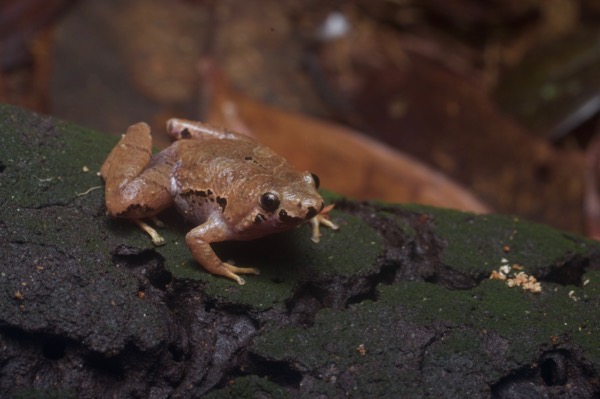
[(287, 219), (284, 217)]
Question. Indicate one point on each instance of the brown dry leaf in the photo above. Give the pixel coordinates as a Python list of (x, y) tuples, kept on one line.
[(591, 204), (346, 161), (444, 118)]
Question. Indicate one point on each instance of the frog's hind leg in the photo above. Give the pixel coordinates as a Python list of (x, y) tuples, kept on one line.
[(127, 159), (132, 189), (185, 129)]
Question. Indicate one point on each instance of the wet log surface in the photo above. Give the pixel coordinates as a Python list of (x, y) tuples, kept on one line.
[(397, 302)]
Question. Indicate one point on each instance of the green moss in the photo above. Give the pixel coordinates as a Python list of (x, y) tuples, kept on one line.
[(61, 240), (524, 323), (393, 219), (476, 244), (330, 350), (42, 173), (285, 261), (31, 177), (528, 321)]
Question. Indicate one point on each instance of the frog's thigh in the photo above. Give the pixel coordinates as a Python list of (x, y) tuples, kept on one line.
[(129, 192), (141, 197), (182, 128), (199, 239), (129, 157)]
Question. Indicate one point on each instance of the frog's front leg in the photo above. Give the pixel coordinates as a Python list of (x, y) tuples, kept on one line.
[(322, 219), (199, 239), (132, 190)]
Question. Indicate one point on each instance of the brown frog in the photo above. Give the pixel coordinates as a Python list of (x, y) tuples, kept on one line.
[(227, 184)]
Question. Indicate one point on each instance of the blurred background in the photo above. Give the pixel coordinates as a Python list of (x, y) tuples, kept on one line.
[(476, 105)]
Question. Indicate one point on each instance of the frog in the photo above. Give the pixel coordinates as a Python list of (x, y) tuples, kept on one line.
[(226, 184)]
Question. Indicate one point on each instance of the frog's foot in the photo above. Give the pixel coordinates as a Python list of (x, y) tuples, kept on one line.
[(203, 253), (233, 271), (322, 219), (157, 239)]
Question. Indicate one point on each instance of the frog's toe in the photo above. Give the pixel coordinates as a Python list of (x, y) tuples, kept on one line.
[(327, 223), (316, 222), (157, 239), (233, 271), (241, 270), (239, 280)]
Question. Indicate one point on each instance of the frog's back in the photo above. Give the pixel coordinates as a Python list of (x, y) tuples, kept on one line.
[(224, 165), (225, 155)]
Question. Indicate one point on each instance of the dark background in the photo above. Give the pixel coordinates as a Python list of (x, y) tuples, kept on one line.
[(500, 96)]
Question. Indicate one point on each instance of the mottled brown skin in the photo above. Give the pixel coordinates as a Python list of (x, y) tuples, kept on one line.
[(227, 184)]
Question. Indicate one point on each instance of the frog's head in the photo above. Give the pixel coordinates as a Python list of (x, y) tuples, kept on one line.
[(285, 204)]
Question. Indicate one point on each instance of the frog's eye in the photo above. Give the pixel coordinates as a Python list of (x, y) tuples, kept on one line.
[(316, 180), (269, 202)]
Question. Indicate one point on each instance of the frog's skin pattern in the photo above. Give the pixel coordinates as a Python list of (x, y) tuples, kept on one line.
[(227, 184)]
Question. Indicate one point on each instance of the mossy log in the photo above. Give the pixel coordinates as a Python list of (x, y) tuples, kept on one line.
[(397, 303)]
